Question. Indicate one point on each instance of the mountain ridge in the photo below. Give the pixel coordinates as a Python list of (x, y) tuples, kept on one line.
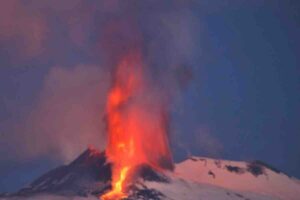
[(89, 176)]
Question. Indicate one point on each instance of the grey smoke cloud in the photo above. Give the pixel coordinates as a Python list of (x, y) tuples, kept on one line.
[(68, 113)]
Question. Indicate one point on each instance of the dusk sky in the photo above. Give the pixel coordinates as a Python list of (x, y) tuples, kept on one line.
[(229, 69)]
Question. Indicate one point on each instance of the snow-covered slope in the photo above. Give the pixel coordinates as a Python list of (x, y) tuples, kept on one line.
[(87, 177), (180, 189), (254, 177)]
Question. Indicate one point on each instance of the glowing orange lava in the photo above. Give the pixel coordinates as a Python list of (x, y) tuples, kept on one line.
[(136, 134), (118, 189)]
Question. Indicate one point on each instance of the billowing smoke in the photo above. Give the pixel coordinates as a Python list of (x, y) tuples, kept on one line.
[(68, 112)]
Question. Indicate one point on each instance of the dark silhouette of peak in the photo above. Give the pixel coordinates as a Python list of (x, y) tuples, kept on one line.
[(89, 173), (89, 157), (89, 168)]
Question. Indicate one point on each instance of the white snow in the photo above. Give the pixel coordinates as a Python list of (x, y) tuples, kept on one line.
[(185, 190), (270, 183)]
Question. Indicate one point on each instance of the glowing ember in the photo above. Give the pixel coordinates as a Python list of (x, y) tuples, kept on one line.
[(136, 133)]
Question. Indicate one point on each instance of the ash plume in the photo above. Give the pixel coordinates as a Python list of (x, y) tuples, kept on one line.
[(67, 113)]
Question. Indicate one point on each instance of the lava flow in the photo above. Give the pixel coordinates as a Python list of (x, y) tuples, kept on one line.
[(136, 129)]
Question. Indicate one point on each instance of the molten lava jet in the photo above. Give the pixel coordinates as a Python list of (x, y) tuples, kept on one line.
[(136, 130)]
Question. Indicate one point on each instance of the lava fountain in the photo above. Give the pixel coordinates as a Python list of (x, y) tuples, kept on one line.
[(136, 126)]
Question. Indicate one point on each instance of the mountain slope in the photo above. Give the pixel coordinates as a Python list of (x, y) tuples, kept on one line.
[(89, 172), (254, 177), (89, 176)]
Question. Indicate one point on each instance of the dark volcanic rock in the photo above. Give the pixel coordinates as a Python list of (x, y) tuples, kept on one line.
[(235, 169), (146, 194), (89, 174), (263, 164), (256, 168), (90, 167), (149, 174)]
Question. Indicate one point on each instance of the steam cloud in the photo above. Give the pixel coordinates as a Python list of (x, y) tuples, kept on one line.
[(70, 107)]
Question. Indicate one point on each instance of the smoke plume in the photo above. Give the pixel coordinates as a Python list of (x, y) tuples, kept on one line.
[(83, 41)]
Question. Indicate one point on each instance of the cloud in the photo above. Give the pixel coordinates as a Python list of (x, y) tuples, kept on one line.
[(40, 29), (21, 29), (68, 115)]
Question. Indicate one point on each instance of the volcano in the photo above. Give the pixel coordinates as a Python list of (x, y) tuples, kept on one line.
[(137, 162), (90, 176)]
